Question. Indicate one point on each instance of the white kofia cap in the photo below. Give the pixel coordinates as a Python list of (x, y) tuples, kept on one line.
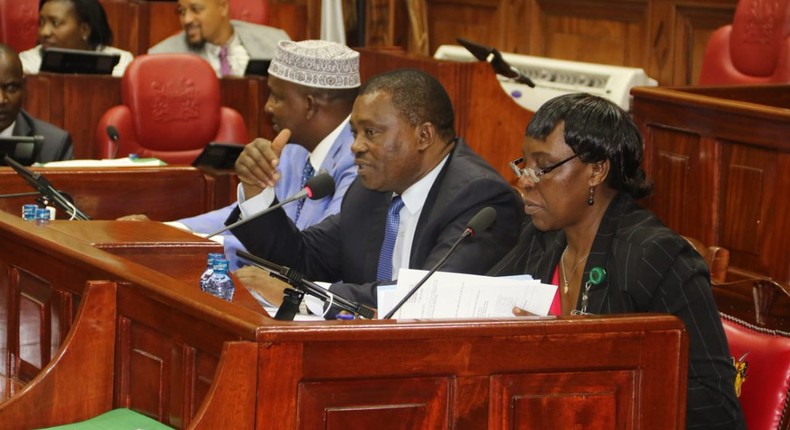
[(316, 63)]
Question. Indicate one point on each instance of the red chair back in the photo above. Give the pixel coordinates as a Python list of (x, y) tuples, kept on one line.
[(754, 49), (171, 110), (255, 11), (19, 23), (766, 354)]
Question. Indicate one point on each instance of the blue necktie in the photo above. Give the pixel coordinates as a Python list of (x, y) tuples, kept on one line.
[(390, 234), (307, 173)]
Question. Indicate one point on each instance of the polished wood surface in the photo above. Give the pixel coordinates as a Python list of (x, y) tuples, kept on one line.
[(719, 158), (187, 359), (666, 38), (488, 118), (163, 193)]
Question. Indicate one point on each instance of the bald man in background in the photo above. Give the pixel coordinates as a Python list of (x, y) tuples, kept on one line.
[(228, 45), (14, 121)]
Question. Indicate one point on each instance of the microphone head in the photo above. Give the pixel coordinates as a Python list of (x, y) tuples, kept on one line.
[(112, 132), (482, 220), (320, 186)]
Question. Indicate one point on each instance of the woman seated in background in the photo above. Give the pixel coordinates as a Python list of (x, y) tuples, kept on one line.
[(73, 24), (580, 175)]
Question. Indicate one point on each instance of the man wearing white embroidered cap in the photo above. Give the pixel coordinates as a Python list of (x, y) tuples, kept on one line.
[(312, 87)]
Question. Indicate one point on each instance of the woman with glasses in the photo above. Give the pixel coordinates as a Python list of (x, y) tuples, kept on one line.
[(580, 175)]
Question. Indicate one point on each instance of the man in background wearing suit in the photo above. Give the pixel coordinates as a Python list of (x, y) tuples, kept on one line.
[(228, 45), (316, 104), (14, 121), (413, 174)]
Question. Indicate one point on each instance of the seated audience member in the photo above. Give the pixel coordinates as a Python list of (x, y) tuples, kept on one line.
[(580, 176), (312, 86), (73, 24), (14, 121), (228, 45), (411, 164)]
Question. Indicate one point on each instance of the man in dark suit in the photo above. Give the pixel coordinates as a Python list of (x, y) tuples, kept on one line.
[(406, 150), (16, 122)]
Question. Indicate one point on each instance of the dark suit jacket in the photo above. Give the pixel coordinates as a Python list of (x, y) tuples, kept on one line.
[(345, 247), (57, 142), (649, 268)]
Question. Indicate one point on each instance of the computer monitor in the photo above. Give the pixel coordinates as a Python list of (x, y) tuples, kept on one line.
[(61, 60), (23, 149), (220, 156), (257, 67)]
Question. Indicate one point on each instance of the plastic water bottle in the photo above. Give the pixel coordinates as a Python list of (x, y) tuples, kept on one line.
[(29, 212), (209, 268), (42, 216), (220, 283)]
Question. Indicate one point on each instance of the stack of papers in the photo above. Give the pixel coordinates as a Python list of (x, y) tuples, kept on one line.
[(458, 295), (115, 162)]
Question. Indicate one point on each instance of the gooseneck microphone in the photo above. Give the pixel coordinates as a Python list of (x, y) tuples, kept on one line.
[(317, 187), (112, 133), (481, 221), (298, 281)]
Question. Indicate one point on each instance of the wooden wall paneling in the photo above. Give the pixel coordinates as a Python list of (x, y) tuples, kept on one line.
[(591, 31), (127, 27), (694, 24), (481, 21), (158, 21), (386, 24), (301, 19)]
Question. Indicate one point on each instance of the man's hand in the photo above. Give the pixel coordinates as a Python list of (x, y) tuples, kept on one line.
[(134, 217), (272, 289), (257, 165)]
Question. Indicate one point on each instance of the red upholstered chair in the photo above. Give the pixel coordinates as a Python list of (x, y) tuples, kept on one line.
[(751, 310), (171, 110), (754, 49), (256, 11), (19, 23), (766, 357)]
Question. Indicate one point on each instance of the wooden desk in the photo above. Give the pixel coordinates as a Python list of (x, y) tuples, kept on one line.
[(166, 338), (720, 158), (163, 193)]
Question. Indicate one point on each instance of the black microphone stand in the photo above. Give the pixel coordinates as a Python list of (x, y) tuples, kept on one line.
[(302, 286)]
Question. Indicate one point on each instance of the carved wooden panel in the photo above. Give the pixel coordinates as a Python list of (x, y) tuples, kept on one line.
[(391, 403), (39, 317), (589, 400), (590, 31), (481, 21)]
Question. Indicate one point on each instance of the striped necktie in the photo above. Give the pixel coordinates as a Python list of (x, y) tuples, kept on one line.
[(384, 272), (307, 173)]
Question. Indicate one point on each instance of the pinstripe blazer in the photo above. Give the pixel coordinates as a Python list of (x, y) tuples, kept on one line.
[(649, 268)]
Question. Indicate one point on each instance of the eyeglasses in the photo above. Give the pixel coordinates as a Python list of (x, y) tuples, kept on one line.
[(533, 175)]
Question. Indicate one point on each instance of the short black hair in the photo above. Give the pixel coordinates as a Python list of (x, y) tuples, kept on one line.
[(90, 12), (597, 129), (418, 97)]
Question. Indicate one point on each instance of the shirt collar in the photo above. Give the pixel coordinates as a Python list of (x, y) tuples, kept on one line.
[(318, 155), (414, 197), (8, 132)]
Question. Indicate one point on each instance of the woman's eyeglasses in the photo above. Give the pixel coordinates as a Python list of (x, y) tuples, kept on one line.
[(531, 173)]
